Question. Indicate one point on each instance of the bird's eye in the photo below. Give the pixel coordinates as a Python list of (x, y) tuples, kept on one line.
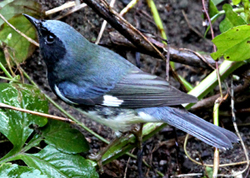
[(50, 39)]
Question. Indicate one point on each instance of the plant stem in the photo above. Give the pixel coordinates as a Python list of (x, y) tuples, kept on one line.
[(5, 71)]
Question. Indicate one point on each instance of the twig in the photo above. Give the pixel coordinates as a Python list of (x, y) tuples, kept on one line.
[(217, 104), (187, 175), (208, 102), (126, 168), (200, 56), (2, 105), (247, 173), (216, 150), (214, 47), (237, 131), (209, 165), (186, 56), (120, 24), (193, 29), (22, 34), (60, 8), (209, 21), (74, 9), (7, 58), (131, 4), (167, 63), (104, 24)]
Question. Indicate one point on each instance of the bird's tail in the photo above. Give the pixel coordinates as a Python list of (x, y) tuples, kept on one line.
[(192, 124)]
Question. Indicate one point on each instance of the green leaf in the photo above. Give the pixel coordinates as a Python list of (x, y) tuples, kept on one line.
[(213, 12), (12, 8), (209, 171), (13, 170), (3, 3), (212, 9), (236, 2), (216, 2), (18, 46), (233, 44), (231, 20), (14, 124), (64, 138), (54, 163)]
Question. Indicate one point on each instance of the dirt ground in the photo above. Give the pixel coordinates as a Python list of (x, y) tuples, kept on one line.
[(169, 160)]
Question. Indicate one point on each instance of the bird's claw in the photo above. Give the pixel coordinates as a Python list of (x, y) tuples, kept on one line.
[(98, 159)]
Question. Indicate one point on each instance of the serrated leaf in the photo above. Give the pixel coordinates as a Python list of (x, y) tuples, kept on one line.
[(53, 163), (64, 138), (233, 44), (13, 170), (14, 124), (18, 46), (231, 20)]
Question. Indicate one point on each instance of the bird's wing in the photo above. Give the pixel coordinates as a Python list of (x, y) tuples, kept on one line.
[(140, 90), (137, 89)]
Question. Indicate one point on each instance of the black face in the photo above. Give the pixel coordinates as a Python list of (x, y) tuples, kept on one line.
[(51, 47)]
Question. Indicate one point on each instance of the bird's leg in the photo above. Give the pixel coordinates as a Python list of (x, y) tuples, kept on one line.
[(98, 157), (138, 135)]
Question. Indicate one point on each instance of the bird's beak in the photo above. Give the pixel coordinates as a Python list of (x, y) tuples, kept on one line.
[(34, 21)]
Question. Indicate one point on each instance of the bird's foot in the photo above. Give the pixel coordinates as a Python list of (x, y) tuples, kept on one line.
[(138, 135), (98, 159), (137, 132)]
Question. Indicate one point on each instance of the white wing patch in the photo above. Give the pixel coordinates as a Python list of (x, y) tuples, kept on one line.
[(109, 100), (58, 92)]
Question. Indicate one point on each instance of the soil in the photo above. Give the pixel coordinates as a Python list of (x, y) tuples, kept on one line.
[(169, 160)]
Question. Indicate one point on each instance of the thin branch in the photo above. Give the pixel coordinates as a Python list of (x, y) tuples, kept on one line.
[(2, 105), (181, 55), (22, 34), (74, 9), (192, 28), (208, 165), (104, 24), (130, 5), (237, 131), (208, 102), (60, 8), (216, 160), (125, 28)]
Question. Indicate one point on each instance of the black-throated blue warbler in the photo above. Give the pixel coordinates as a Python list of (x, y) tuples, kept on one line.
[(111, 90)]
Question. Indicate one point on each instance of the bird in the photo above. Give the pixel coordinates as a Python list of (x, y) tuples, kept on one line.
[(111, 90)]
